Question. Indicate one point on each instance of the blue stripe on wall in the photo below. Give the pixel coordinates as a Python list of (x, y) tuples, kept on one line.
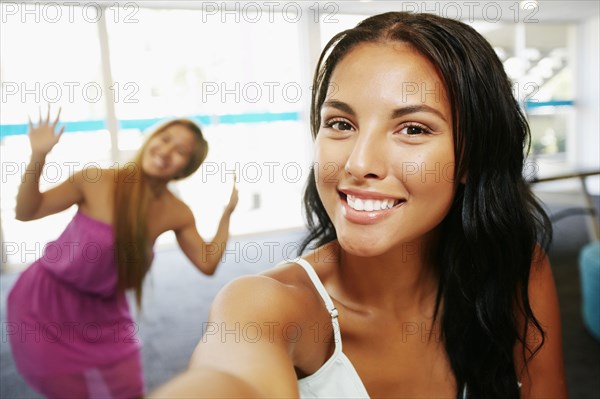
[(142, 124), (556, 103)]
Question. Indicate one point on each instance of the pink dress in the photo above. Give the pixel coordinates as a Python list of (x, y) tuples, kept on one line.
[(70, 329)]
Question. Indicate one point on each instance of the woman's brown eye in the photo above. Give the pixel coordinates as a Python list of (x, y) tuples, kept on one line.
[(414, 130), (341, 125)]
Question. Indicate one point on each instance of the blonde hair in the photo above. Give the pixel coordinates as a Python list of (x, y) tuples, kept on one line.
[(131, 200)]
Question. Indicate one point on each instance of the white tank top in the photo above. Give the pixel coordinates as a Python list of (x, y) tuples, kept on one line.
[(337, 377)]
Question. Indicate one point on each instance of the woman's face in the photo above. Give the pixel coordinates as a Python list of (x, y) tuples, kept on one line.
[(384, 150), (168, 152)]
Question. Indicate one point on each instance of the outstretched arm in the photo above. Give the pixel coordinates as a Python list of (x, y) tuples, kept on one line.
[(31, 203), (206, 256), (244, 352)]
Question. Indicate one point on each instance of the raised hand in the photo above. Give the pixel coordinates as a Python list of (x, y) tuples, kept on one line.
[(233, 199), (43, 136)]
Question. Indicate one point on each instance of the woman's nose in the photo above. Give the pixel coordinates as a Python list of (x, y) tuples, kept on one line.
[(367, 159), (165, 149)]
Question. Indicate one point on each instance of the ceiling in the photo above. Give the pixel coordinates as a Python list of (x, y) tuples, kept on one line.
[(528, 10), (531, 11)]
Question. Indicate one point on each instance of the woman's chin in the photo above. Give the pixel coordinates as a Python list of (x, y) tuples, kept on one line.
[(156, 175), (362, 246)]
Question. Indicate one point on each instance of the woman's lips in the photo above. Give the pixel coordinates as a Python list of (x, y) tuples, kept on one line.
[(365, 210)]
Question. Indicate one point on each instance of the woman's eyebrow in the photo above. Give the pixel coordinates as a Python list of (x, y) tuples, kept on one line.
[(340, 105), (397, 113), (411, 109)]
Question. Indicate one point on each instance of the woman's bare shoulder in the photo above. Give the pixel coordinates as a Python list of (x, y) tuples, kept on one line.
[(97, 188), (174, 213), (284, 293), (274, 298), (293, 275)]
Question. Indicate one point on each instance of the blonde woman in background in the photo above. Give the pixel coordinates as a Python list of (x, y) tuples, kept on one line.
[(75, 293)]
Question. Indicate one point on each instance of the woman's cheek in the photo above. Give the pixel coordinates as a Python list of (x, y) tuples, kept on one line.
[(330, 159)]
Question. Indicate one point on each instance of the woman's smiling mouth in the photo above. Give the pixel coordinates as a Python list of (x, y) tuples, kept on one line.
[(367, 207)]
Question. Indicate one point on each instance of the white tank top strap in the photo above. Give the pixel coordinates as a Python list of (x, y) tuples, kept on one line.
[(333, 312)]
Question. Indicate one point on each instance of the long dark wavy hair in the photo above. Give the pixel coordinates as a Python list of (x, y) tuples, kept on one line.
[(491, 234)]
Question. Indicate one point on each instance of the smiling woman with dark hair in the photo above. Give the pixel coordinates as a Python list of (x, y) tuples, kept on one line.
[(428, 277)]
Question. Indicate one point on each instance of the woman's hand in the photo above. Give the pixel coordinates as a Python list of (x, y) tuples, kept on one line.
[(205, 256), (31, 203), (43, 136), (233, 199)]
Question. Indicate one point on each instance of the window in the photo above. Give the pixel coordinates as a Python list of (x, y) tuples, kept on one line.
[(542, 79), (48, 57), (239, 79)]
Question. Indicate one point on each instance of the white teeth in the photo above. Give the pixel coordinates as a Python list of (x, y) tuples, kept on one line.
[(377, 205), (159, 162), (359, 204), (369, 205)]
